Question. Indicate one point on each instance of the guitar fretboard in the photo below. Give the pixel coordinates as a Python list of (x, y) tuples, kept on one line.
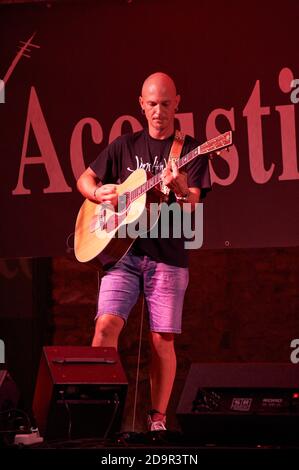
[(219, 142)]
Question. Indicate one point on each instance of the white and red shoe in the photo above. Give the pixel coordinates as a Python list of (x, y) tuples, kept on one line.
[(156, 421)]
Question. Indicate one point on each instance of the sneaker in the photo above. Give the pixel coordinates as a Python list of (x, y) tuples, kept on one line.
[(156, 421)]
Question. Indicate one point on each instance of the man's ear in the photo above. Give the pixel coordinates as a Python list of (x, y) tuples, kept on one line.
[(178, 99), (141, 102)]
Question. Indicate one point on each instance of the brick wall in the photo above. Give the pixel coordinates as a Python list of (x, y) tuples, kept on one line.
[(240, 306)]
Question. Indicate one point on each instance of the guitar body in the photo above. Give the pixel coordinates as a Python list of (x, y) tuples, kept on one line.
[(105, 235)]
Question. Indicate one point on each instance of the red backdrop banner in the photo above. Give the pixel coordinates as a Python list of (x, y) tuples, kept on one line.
[(71, 74)]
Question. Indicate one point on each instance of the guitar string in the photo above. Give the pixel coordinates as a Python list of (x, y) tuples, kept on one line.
[(138, 365)]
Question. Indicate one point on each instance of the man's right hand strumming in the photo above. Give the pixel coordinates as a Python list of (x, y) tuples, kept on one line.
[(106, 193), (89, 186)]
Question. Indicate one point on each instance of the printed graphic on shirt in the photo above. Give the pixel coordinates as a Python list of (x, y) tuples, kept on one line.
[(154, 167)]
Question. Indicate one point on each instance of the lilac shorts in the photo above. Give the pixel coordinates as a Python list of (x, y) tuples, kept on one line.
[(163, 285)]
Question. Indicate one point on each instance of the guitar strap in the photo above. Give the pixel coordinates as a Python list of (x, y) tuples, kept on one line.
[(174, 154), (177, 145)]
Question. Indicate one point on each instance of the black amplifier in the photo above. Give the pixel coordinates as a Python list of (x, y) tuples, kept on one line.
[(241, 403), (246, 400)]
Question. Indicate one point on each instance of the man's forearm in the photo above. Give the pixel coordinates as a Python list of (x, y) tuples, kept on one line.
[(87, 185)]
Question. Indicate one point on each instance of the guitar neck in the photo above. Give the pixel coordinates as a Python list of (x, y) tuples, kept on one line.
[(180, 164), (219, 142)]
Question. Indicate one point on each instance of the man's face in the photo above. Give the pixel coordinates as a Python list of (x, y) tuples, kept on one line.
[(159, 102)]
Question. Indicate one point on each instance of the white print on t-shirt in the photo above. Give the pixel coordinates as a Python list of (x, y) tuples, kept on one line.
[(153, 168)]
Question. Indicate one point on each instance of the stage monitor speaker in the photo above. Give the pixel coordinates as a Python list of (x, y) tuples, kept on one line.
[(80, 392), (241, 403)]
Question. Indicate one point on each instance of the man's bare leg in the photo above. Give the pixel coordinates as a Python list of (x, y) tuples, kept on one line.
[(107, 330), (162, 369)]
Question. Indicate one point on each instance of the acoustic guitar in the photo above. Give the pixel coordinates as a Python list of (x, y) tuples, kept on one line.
[(103, 233)]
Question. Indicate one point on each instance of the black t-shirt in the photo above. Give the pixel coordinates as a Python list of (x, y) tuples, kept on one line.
[(129, 152)]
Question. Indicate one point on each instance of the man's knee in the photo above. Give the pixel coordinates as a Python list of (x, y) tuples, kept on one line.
[(109, 324), (162, 343)]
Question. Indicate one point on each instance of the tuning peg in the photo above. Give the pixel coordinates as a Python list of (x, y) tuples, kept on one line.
[(218, 152)]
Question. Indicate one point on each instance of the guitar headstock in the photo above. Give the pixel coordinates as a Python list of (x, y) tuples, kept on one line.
[(216, 144)]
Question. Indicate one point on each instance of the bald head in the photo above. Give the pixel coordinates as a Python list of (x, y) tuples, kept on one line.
[(159, 101), (159, 80)]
